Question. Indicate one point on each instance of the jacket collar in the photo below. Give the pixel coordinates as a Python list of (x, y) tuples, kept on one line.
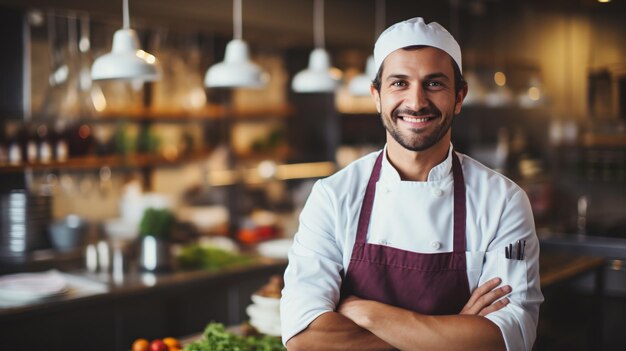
[(439, 172)]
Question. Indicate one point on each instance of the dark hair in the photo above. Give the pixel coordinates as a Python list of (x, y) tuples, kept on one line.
[(459, 81)]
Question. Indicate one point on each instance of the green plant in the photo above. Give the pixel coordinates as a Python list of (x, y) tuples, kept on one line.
[(217, 338), (195, 256), (157, 223)]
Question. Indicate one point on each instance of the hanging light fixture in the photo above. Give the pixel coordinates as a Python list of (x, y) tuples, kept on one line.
[(236, 71), (318, 76), (126, 60), (360, 85)]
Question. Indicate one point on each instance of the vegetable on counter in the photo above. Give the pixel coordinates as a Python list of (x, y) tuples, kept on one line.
[(167, 344), (197, 256), (141, 345), (157, 223), (217, 338)]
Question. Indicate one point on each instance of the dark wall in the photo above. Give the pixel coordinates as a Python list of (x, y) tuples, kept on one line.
[(13, 65)]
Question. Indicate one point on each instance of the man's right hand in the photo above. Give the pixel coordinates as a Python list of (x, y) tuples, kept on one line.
[(485, 299)]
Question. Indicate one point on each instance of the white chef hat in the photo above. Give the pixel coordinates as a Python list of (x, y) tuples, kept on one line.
[(415, 32)]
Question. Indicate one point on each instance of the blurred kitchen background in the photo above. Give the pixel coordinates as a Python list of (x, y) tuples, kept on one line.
[(81, 160)]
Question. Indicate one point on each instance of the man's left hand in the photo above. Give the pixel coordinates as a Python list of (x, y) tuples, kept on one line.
[(354, 308)]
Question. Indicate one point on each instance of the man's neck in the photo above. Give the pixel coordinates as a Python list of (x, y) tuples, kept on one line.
[(416, 165)]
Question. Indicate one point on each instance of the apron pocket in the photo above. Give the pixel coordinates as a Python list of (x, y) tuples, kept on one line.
[(474, 267)]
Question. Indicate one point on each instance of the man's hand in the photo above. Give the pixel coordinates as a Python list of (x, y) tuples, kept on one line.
[(484, 299), (352, 308)]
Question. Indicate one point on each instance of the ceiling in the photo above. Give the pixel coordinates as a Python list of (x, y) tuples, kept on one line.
[(289, 22)]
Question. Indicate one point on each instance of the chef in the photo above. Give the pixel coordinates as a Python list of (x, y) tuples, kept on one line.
[(414, 247)]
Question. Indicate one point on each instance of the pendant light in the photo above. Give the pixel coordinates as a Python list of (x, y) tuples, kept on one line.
[(236, 71), (360, 85), (126, 60), (316, 78)]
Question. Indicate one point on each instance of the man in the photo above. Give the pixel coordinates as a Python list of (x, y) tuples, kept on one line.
[(405, 248)]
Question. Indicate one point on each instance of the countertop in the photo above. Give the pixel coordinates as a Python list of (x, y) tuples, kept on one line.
[(607, 247), (86, 287)]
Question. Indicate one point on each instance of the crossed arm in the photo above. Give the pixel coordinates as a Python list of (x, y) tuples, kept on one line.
[(369, 325)]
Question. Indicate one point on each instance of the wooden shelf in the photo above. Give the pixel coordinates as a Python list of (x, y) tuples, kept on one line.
[(116, 161), (211, 112)]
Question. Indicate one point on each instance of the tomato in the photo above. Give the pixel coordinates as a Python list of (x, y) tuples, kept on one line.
[(158, 345), (141, 345), (247, 236), (172, 343)]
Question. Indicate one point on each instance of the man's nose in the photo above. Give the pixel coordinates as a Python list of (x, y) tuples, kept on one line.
[(416, 98)]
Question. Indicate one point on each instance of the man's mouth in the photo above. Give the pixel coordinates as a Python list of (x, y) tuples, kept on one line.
[(411, 119), (417, 119)]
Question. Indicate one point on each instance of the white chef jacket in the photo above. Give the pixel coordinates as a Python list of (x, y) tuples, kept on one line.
[(415, 216)]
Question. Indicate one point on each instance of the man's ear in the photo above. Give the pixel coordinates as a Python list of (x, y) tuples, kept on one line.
[(460, 96), (375, 97)]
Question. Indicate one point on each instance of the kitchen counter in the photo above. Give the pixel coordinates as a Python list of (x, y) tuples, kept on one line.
[(87, 287), (138, 305), (607, 247), (176, 304), (558, 268), (587, 270)]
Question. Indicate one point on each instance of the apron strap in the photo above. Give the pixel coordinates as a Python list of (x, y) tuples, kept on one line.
[(460, 208), (368, 201)]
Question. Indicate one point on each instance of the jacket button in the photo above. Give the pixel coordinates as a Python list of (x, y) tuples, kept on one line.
[(437, 192), (435, 245)]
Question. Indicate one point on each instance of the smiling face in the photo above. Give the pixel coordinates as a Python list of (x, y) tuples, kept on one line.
[(417, 99)]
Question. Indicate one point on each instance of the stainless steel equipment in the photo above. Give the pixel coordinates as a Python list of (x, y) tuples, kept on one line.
[(24, 220)]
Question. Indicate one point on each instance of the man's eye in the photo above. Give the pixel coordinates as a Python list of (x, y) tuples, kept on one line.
[(399, 83), (434, 84)]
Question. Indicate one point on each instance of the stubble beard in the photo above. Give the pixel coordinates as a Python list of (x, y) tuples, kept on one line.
[(419, 140)]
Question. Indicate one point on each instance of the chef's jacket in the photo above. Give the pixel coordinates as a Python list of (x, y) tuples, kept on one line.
[(415, 216)]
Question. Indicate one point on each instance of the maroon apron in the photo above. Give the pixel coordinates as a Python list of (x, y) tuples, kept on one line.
[(427, 283)]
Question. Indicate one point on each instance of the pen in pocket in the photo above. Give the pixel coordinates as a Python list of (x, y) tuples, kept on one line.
[(516, 251)]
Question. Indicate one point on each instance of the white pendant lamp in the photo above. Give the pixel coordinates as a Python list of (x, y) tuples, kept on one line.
[(126, 60), (317, 77), (360, 85), (236, 71)]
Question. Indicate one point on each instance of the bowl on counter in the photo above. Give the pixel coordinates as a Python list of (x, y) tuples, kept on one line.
[(68, 233), (266, 302), (277, 248), (264, 314)]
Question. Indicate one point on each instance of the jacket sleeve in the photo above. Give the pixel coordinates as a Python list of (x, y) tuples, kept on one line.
[(518, 320), (313, 275)]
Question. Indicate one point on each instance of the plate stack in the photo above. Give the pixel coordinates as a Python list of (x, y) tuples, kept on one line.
[(264, 313), (278, 248), (22, 288), (24, 220)]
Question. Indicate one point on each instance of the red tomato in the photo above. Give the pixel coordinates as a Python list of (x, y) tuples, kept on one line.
[(141, 345), (158, 345), (265, 232), (247, 236), (172, 343)]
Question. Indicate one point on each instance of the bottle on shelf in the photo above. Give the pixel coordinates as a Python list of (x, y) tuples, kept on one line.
[(31, 140), (80, 139), (44, 147), (14, 145), (59, 142)]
